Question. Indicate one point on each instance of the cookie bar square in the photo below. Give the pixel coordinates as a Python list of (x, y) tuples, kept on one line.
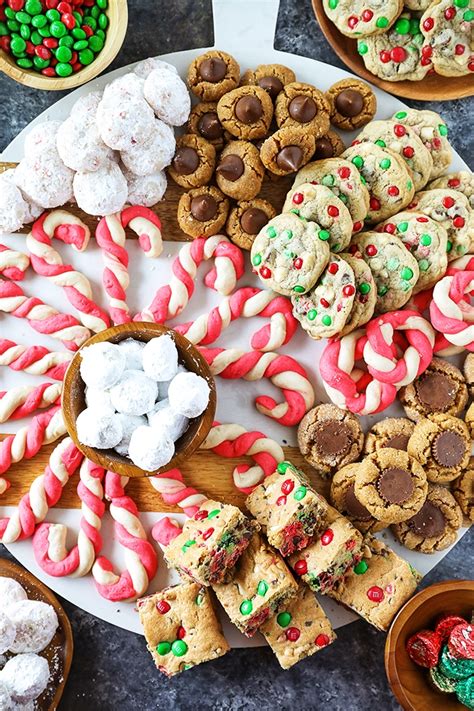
[(181, 627), (378, 585), (261, 584), (326, 560), (289, 510), (299, 630), (210, 543)]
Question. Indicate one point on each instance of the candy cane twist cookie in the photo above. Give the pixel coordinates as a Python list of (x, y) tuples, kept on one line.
[(447, 26), (235, 441), (174, 491), (166, 530), (45, 492), (348, 387), (385, 365), (289, 254), (23, 400), (362, 17), (246, 302), (433, 132), (452, 209), (47, 262), (462, 181), (34, 360), (42, 317), (110, 236), (451, 314), (319, 204), (147, 225), (13, 264), (394, 269), (426, 240), (171, 299), (140, 557), (282, 370), (49, 540)]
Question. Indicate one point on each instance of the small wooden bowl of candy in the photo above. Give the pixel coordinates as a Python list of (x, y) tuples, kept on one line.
[(60, 47), (74, 398), (421, 668)]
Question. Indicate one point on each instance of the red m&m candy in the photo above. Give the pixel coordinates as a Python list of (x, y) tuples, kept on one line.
[(375, 594)]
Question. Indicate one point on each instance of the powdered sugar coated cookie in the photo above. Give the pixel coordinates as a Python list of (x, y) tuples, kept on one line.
[(36, 623), (102, 192), (145, 67), (99, 400), (79, 143), (124, 123), (133, 352), (129, 424), (145, 190), (7, 633), (168, 96), (167, 420), (98, 429), (26, 677), (134, 393), (128, 86), (154, 154), (41, 138), (189, 394), (11, 591), (44, 179), (160, 358), (13, 208), (150, 449), (102, 365)]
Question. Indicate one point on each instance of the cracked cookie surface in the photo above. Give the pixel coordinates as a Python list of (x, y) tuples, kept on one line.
[(213, 74), (194, 161), (393, 432), (440, 389), (302, 106), (246, 220), (352, 104), (239, 170), (463, 492), (246, 112), (442, 445), (344, 499)]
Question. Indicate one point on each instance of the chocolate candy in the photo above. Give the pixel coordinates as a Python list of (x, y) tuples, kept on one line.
[(399, 441), (461, 642), (349, 102), (395, 485), (353, 506), (203, 208), (272, 85), (436, 390), (428, 522), (441, 682), (210, 127), (332, 438), (424, 647), (231, 167), (213, 70), (290, 158), (248, 109), (324, 148), (446, 623), (302, 109), (448, 449), (252, 220), (186, 160)]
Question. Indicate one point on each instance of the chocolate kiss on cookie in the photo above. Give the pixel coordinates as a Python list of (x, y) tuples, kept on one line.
[(290, 158), (395, 485), (428, 522), (186, 161), (252, 220), (399, 441), (271, 84), (332, 438), (203, 208), (213, 70), (302, 108), (349, 102), (324, 148), (436, 391), (448, 449), (248, 109), (210, 127), (353, 506), (231, 167)]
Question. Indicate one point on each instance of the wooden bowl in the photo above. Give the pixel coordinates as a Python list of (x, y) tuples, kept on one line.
[(60, 650), (117, 13), (73, 398), (432, 88), (409, 682)]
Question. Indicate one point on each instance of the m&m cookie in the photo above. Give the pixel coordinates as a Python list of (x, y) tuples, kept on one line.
[(447, 27), (361, 18)]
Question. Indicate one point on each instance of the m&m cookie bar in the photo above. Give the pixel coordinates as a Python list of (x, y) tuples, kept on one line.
[(262, 584), (378, 585), (181, 627), (299, 630), (325, 561), (210, 543), (288, 509)]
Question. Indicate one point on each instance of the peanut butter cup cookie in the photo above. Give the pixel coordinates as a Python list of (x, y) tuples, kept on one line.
[(204, 122), (442, 445), (352, 104), (391, 485), (468, 370), (343, 498), (330, 145), (436, 524), (213, 74), (329, 438), (194, 161), (271, 77), (440, 389), (393, 432), (463, 492), (202, 212), (246, 112), (301, 105), (246, 220), (239, 170), (287, 150)]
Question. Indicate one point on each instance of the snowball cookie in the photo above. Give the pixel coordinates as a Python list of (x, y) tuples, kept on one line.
[(160, 405), (79, 143), (129, 424), (188, 394), (102, 430), (102, 365), (33, 211), (154, 154), (102, 192), (125, 88), (163, 385), (133, 352), (44, 179), (124, 122), (99, 400), (13, 208), (160, 358), (41, 138), (36, 622), (146, 66), (145, 190), (150, 449), (86, 105), (168, 421), (135, 393), (26, 677), (168, 96), (10, 592), (7, 633), (6, 702)]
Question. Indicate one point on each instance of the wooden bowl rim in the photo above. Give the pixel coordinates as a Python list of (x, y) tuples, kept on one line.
[(113, 43), (10, 569), (121, 465), (438, 88), (402, 617)]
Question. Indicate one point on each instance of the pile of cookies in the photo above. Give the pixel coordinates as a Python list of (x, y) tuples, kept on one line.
[(414, 474), (406, 43)]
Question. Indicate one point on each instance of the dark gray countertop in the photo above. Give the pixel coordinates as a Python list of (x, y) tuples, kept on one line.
[(112, 671)]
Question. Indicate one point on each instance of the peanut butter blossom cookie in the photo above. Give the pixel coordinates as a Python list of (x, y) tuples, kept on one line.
[(289, 254), (345, 181), (271, 77), (301, 105), (399, 54), (387, 178), (319, 204), (213, 74), (246, 220), (426, 240), (394, 269), (352, 104), (361, 18), (194, 161), (435, 526), (447, 26), (239, 170), (246, 112), (287, 150), (344, 499), (393, 432), (328, 146), (391, 485), (365, 297), (440, 389), (202, 212), (442, 445), (462, 181), (433, 133), (204, 121)]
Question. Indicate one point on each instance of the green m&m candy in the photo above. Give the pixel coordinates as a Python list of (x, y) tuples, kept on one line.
[(284, 619), (39, 21), (402, 27), (163, 648), (63, 54), (262, 588), (33, 7), (179, 648), (362, 47), (96, 43), (246, 607), (63, 69)]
